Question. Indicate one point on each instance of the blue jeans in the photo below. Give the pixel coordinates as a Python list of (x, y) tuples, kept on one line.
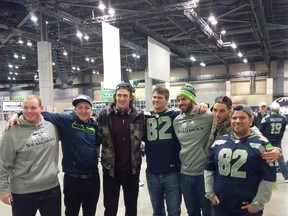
[(194, 195), (48, 203), (220, 212), (161, 187), (283, 167), (79, 192)]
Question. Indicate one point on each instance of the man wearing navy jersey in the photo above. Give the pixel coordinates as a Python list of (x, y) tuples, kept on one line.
[(238, 181), (273, 127), (162, 154)]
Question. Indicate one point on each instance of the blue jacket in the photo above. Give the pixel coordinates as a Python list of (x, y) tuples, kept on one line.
[(78, 140)]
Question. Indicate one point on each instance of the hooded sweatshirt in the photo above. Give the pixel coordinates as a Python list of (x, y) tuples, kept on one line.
[(193, 132), (29, 158)]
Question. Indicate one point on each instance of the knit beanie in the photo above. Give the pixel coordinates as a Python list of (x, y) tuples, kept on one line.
[(187, 91)]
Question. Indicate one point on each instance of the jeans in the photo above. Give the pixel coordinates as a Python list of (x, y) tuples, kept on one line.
[(194, 195), (48, 203), (111, 187), (79, 191), (283, 167), (161, 187)]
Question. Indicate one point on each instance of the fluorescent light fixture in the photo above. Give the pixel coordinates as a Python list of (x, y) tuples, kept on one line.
[(29, 43), (10, 66), (86, 37), (233, 45), (23, 57), (34, 18), (65, 53), (240, 54), (192, 58), (202, 64), (16, 56), (245, 60), (20, 41), (79, 34), (111, 11), (223, 32), (101, 6), (87, 59)]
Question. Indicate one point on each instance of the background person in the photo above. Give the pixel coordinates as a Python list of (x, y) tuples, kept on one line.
[(121, 128), (237, 180), (261, 114), (29, 164), (273, 128)]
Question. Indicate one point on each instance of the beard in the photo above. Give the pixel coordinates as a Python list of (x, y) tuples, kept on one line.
[(186, 108)]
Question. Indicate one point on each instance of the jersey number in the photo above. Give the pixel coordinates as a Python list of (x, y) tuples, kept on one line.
[(224, 162), (153, 133), (276, 128)]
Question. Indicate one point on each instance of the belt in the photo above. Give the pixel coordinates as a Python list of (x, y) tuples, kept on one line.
[(81, 176)]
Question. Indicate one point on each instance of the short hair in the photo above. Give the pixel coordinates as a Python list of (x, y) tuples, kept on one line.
[(29, 97), (161, 90)]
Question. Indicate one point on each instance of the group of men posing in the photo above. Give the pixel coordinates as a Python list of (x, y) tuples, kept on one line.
[(208, 160)]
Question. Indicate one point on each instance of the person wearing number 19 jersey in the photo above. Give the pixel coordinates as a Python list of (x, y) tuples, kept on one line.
[(238, 181)]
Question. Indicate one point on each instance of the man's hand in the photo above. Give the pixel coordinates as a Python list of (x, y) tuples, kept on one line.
[(249, 208), (271, 155), (214, 200), (202, 108), (12, 121), (6, 198)]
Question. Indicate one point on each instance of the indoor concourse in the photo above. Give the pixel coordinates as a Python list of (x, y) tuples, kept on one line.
[(276, 207)]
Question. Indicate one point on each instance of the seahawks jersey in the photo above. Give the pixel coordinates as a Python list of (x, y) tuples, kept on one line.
[(238, 169), (161, 145), (273, 128)]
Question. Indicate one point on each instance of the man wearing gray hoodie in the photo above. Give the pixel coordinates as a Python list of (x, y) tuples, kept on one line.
[(29, 164)]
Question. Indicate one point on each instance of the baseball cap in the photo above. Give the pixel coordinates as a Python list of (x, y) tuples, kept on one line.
[(81, 98), (275, 106), (262, 104), (126, 86), (224, 100), (244, 108)]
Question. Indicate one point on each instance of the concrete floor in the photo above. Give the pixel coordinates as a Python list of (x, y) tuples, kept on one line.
[(276, 207)]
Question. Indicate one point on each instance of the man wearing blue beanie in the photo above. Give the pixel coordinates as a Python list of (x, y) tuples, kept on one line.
[(192, 129)]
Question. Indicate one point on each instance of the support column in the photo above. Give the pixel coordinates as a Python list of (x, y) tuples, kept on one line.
[(148, 91), (278, 90), (44, 52)]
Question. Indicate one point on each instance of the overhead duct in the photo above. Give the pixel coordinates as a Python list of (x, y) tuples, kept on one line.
[(204, 27)]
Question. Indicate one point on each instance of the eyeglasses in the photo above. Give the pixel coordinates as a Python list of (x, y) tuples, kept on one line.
[(225, 100), (125, 86), (83, 128)]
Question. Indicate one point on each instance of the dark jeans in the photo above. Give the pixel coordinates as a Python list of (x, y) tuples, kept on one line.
[(111, 187), (48, 202), (79, 192)]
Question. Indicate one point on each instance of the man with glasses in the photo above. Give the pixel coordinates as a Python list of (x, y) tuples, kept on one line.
[(121, 128), (80, 158), (237, 180)]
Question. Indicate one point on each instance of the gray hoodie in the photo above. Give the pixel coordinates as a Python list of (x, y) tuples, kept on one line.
[(193, 133), (29, 158)]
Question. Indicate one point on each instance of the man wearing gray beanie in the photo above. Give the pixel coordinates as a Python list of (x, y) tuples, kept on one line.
[(192, 129)]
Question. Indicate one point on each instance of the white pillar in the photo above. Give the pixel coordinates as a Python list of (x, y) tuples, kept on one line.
[(148, 92), (44, 52)]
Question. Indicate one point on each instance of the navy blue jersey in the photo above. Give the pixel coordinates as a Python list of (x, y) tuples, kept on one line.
[(161, 145), (238, 169), (273, 128)]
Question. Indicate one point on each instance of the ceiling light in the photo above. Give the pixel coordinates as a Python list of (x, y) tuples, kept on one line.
[(87, 59), (16, 67), (9, 78), (13, 78), (78, 68), (134, 55), (23, 57), (223, 31), (65, 53), (111, 11), (202, 64), (16, 73), (192, 58), (239, 54), (47, 22), (79, 34), (20, 41), (233, 45), (34, 18), (86, 37), (11, 72), (16, 56), (97, 72), (94, 72), (73, 68), (92, 60), (29, 43), (10, 66), (53, 63), (245, 60), (101, 6)]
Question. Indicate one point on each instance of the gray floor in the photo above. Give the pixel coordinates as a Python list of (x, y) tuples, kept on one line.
[(276, 207)]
